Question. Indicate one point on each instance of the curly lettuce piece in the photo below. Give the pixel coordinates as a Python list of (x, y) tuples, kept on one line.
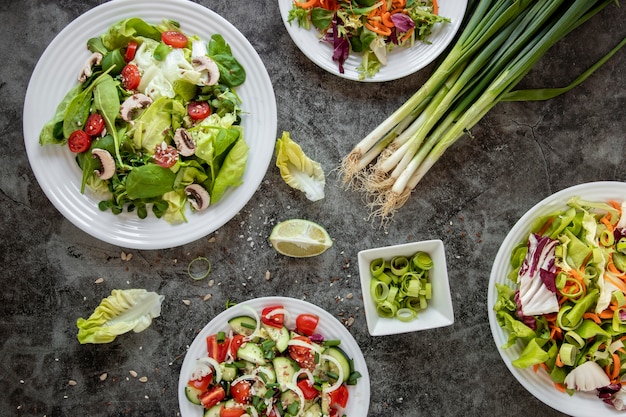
[(121, 312), (298, 170)]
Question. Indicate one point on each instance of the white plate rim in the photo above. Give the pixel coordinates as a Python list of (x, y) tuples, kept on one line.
[(359, 394), (126, 230), (418, 57), (539, 384)]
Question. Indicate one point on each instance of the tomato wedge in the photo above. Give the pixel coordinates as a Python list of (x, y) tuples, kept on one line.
[(174, 39), (339, 397), (306, 323), (201, 384), (130, 76), (198, 110), (302, 355), (241, 392), (94, 125), (275, 320), (235, 344), (131, 50), (308, 390), (216, 349), (79, 141), (213, 396), (231, 412)]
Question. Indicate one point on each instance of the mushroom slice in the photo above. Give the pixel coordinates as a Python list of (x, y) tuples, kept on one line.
[(204, 63), (94, 59), (184, 142), (132, 103), (107, 162), (198, 196)]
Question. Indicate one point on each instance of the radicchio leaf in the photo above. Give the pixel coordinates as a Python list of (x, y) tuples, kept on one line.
[(402, 22)]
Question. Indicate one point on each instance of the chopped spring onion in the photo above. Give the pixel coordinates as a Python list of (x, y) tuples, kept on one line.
[(502, 41), (400, 287)]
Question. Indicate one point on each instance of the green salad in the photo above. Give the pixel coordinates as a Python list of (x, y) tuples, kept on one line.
[(154, 120), (566, 301)]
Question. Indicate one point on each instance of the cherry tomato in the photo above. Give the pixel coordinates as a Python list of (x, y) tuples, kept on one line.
[(201, 384), (308, 390), (339, 397), (216, 349), (131, 77), (94, 125), (302, 355), (231, 412), (198, 110), (174, 39), (241, 392), (306, 323), (235, 344), (131, 49), (213, 396), (274, 320), (166, 156), (79, 141)]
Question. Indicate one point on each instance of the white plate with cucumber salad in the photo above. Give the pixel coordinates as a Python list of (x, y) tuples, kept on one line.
[(274, 352), (55, 166)]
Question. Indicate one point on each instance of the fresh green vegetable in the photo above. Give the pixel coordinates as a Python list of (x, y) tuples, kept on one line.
[(121, 312), (400, 286), (502, 41), (566, 303), (298, 170)]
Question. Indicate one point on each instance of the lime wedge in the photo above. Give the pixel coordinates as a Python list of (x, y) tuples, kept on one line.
[(300, 238)]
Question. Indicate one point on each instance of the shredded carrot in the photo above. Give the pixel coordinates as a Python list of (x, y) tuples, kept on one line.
[(308, 4), (559, 362), (617, 282), (398, 4), (606, 220), (606, 314), (435, 7), (386, 19), (617, 206), (560, 387), (616, 367), (378, 28), (592, 316), (408, 34), (546, 225), (535, 367)]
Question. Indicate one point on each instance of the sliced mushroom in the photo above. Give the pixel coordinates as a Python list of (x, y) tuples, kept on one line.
[(106, 161), (131, 104), (198, 196), (204, 63), (87, 70), (184, 142)]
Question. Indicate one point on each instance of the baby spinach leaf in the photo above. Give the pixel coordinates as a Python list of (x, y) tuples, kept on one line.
[(148, 181), (77, 112), (51, 132), (232, 72)]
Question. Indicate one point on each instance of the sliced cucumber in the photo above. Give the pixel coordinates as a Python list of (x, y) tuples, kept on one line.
[(289, 397), (280, 336), (285, 369), (213, 411), (229, 371), (243, 325), (342, 358), (193, 394), (313, 411), (268, 374), (325, 402), (251, 353)]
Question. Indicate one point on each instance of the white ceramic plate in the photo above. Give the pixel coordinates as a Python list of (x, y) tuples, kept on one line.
[(54, 166), (329, 327), (539, 384), (400, 62)]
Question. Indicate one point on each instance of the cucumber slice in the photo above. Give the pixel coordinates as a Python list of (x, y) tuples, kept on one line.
[(213, 411), (313, 411), (285, 369), (243, 325), (193, 394), (342, 358), (229, 371), (280, 336), (251, 353)]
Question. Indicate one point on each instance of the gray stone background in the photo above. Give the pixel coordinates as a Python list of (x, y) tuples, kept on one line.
[(517, 155)]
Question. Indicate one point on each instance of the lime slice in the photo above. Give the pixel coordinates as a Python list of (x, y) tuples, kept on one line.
[(300, 238)]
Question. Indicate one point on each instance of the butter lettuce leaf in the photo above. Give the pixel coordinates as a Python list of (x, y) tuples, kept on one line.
[(121, 312), (298, 170)]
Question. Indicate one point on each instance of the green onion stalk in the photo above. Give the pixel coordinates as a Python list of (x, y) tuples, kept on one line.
[(500, 44)]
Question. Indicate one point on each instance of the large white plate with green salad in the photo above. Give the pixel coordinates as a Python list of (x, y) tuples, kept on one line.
[(55, 167), (328, 327), (401, 61), (538, 382)]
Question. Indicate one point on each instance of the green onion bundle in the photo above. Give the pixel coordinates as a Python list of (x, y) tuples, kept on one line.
[(400, 286), (502, 41)]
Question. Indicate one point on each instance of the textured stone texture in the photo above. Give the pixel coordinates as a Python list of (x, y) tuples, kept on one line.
[(518, 154)]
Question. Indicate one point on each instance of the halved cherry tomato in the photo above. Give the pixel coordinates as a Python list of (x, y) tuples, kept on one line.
[(201, 384), (131, 49), (274, 320), (94, 125), (131, 77), (306, 323), (174, 39), (217, 350), (198, 110), (339, 397), (308, 390), (235, 344), (79, 141), (302, 355), (231, 412), (165, 156), (213, 396), (241, 392)]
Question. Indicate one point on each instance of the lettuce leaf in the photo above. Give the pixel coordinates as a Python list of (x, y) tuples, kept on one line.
[(298, 170), (121, 312)]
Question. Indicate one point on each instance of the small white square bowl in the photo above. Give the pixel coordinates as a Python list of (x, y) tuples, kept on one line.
[(439, 311)]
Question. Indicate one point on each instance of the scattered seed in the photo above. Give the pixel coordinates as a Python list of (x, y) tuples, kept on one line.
[(186, 302), (143, 379), (133, 374), (103, 376), (126, 256), (207, 297), (350, 321), (211, 282), (212, 239), (267, 275), (71, 382), (99, 280), (349, 296)]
